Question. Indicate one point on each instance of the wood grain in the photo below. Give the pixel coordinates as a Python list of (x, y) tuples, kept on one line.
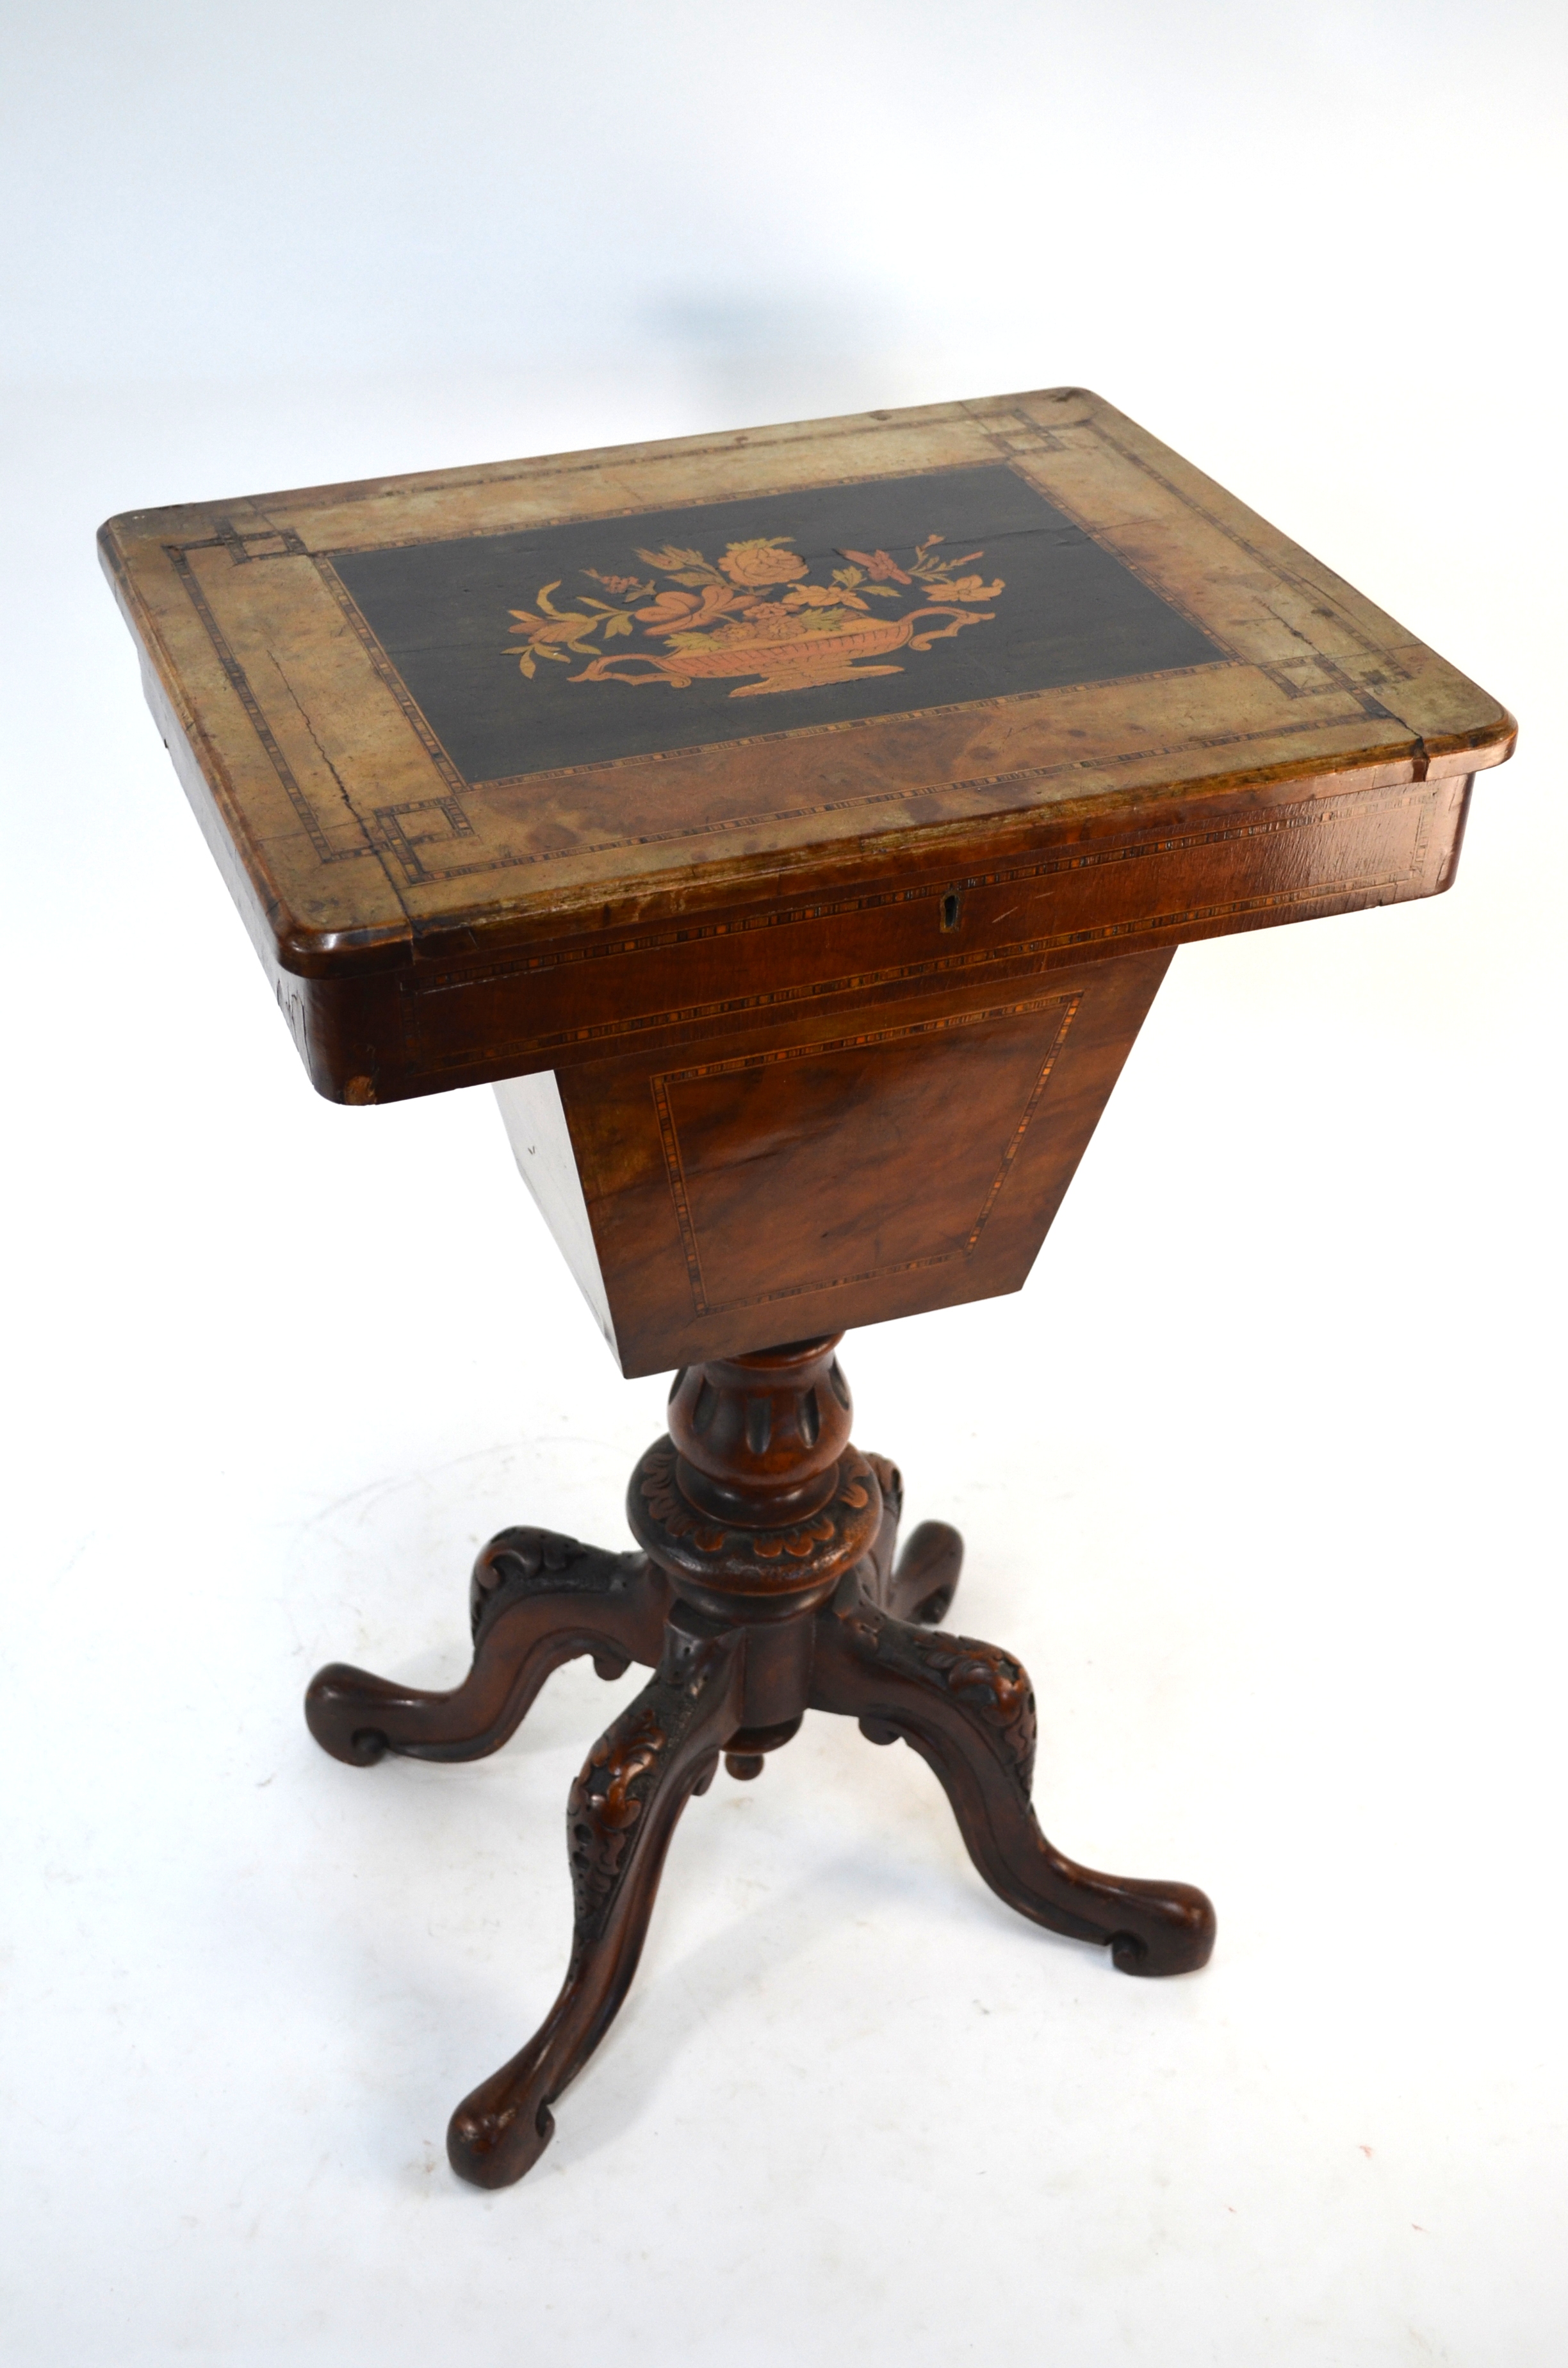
[(424, 929), (843, 1163)]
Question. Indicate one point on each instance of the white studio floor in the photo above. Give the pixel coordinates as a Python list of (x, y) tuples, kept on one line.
[(1261, 1475)]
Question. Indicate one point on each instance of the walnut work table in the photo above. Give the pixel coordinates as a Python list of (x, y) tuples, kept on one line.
[(795, 827)]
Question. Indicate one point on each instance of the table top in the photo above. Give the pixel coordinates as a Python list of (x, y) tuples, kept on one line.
[(449, 710)]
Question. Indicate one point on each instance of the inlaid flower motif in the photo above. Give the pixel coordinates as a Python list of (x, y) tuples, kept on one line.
[(763, 560), (676, 612), (969, 588)]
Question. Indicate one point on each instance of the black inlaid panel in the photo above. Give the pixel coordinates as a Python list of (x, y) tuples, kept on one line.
[(573, 645)]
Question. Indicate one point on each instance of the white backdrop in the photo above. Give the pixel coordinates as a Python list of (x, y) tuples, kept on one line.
[(1260, 1473)]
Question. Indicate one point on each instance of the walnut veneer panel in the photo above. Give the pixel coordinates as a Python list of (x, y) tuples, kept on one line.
[(820, 1171)]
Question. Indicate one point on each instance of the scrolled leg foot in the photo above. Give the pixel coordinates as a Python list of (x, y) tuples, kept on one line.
[(537, 1599), (926, 1577), (622, 1812), (969, 1711), (922, 1583)]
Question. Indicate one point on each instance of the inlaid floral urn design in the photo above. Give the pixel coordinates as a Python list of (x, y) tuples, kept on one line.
[(755, 613)]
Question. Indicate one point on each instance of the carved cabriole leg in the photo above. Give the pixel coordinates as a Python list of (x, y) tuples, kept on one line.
[(969, 1711), (622, 1811), (537, 1599)]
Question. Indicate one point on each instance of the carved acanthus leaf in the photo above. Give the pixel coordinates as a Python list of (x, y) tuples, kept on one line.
[(986, 1681), (526, 1562)]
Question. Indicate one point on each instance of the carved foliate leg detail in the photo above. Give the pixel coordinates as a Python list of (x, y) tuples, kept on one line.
[(992, 1687), (622, 1811), (874, 1571), (622, 1593), (969, 1711), (537, 1599)]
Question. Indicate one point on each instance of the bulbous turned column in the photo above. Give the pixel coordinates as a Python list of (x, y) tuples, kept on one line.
[(757, 1503), (759, 1437)]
